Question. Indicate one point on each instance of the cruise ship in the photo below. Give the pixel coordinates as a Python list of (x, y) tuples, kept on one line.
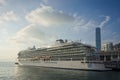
[(65, 54)]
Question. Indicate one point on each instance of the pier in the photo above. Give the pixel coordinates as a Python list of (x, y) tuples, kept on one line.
[(111, 59)]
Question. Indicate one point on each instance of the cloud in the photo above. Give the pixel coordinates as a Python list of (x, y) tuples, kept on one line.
[(32, 35), (2, 2), (48, 16), (8, 16), (45, 1), (107, 18), (45, 16), (3, 35), (83, 25), (115, 37)]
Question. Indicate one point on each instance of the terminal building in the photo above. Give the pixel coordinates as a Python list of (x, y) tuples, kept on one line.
[(117, 47), (107, 46)]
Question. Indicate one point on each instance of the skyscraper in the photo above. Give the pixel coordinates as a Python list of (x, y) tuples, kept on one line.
[(98, 39)]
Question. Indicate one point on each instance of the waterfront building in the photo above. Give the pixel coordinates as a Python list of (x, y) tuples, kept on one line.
[(107, 46), (98, 39), (117, 47)]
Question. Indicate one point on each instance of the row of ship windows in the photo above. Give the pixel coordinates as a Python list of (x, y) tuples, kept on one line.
[(62, 59), (73, 58), (64, 47), (78, 49), (30, 53), (76, 54), (70, 49), (70, 54), (66, 51), (61, 49), (52, 52)]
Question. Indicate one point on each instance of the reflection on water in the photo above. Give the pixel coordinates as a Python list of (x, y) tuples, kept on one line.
[(37, 73), (40, 73)]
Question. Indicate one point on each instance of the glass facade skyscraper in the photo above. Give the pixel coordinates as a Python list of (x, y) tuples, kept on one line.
[(98, 39)]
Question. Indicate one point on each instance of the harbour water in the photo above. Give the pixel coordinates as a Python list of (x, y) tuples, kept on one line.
[(10, 71)]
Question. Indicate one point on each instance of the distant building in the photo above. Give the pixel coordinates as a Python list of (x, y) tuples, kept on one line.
[(107, 46), (98, 38), (117, 47)]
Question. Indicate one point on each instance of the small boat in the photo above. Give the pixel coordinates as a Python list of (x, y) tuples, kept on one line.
[(16, 63)]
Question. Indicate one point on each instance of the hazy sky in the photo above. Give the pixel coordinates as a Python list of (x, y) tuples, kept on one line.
[(24, 23)]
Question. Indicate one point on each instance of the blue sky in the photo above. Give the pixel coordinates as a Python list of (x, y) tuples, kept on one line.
[(24, 23)]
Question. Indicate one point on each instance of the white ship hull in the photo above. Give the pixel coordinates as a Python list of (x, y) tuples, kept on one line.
[(66, 64)]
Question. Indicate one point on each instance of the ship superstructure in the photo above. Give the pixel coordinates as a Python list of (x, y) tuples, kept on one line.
[(63, 51)]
